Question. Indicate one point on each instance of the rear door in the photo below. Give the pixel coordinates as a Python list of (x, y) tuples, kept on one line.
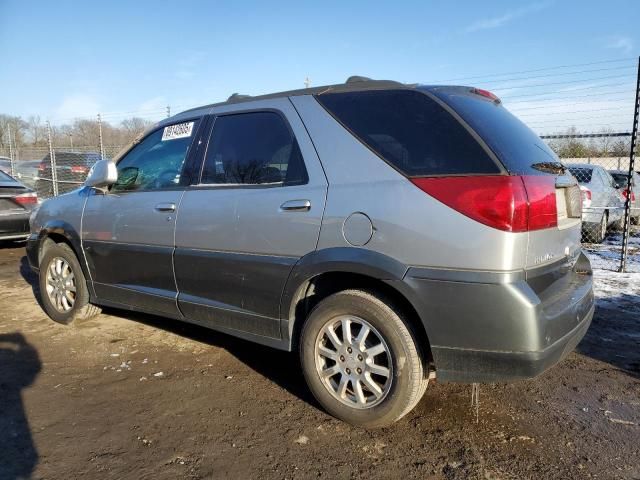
[(128, 232), (255, 211)]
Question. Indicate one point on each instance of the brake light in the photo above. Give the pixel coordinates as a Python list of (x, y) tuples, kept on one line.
[(486, 93), (79, 169), (41, 167), (30, 198), (509, 203), (625, 194), (586, 196)]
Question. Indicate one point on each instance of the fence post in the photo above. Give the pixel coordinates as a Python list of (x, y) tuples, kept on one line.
[(12, 171), (632, 158), (52, 155), (100, 135)]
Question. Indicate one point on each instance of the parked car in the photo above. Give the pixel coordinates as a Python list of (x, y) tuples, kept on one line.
[(389, 233), (620, 177), (26, 171), (71, 171), (16, 203), (602, 203), (5, 165)]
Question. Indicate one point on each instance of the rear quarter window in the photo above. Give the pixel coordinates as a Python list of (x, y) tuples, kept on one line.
[(410, 131), (583, 175)]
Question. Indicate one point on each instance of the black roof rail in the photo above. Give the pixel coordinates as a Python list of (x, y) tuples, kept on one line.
[(235, 97)]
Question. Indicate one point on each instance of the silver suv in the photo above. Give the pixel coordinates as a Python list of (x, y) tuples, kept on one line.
[(389, 233)]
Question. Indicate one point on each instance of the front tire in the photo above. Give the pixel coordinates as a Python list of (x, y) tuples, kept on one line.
[(361, 359), (63, 288)]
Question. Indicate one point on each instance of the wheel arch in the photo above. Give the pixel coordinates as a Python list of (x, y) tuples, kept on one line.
[(325, 272)]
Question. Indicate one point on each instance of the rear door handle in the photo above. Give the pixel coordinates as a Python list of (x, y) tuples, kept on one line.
[(166, 207), (296, 206)]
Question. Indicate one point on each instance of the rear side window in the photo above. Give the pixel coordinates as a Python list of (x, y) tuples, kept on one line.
[(252, 149), (621, 178), (410, 131), (515, 144), (583, 175)]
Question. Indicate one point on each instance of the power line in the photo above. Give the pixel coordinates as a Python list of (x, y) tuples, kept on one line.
[(542, 69), (582, 80), (541, 94), (631, 67)]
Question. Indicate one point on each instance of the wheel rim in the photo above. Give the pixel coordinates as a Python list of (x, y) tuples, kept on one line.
[(61, 285), (353, 362)]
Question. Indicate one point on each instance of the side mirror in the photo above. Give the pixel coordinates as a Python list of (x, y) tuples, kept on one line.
[(103, 174)]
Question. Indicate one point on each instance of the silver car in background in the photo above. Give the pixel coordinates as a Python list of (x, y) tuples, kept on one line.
[(620, 176), (602, 202)]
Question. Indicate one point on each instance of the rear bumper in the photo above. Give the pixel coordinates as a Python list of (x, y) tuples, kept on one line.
[(15, 226), (495, 327)]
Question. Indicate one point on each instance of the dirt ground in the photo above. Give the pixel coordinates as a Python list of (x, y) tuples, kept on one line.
[(135, 396)]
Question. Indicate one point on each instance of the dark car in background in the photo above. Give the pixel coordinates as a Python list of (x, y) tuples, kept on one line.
[(16, 203), (71, 171), (620, 176)]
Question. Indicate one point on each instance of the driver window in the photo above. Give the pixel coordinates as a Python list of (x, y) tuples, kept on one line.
[(157, 161)]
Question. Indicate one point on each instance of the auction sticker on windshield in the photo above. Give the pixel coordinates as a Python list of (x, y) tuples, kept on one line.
[(180, 130)]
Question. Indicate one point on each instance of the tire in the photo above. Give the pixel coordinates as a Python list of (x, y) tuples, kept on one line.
[(74, 305), (399, 354)]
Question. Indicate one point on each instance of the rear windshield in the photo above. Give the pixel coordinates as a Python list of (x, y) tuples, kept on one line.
[(621, 178), (515, 144), (5, 178), (583, 175), (410, 131)]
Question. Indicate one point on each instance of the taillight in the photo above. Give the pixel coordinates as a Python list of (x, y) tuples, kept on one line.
[(79, 169), (625, 194), (41, 167), (509, 203), (30, 198), (586, 196)]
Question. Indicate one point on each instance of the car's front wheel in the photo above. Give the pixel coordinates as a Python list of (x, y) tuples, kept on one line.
[(63, 288), (361, 359)]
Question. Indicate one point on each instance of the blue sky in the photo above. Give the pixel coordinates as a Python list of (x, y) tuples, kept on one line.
[(68, 59)]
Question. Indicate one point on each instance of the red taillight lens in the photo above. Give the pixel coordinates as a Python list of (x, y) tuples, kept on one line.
[(41, 167), (30, 198), (79, 169), (509, 203), (625, 194), (586, 194)]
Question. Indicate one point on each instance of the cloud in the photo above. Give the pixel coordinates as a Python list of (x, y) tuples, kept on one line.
[(619, 42), (78, 105), (500, 20)]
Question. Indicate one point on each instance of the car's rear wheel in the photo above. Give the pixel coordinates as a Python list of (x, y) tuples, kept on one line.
[(361, 359), (63, 288)]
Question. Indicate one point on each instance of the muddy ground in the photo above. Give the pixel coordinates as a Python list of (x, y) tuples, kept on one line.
[(135, 396)]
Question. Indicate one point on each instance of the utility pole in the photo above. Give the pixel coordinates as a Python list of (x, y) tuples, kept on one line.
[(168, 111), (11, 169), (100, 135), (52, 157), (307, 82)]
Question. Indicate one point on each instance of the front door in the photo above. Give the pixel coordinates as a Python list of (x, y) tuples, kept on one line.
[(128, 232), (255, 212)]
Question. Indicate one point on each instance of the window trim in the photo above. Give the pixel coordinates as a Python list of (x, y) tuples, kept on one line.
[(190, 151), (490, 153), (198, 183)]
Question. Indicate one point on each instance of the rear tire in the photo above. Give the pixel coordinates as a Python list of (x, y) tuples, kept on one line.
[(379, 371), (63, 288)]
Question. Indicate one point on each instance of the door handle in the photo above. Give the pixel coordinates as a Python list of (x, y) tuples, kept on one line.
[(166, 207), (296, 206)]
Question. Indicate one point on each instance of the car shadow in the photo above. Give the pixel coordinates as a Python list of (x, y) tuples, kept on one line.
[(282, 367), (614, 334), (19, 367)]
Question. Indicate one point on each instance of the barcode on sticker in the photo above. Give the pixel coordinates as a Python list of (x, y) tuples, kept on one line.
[(181, 130)]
